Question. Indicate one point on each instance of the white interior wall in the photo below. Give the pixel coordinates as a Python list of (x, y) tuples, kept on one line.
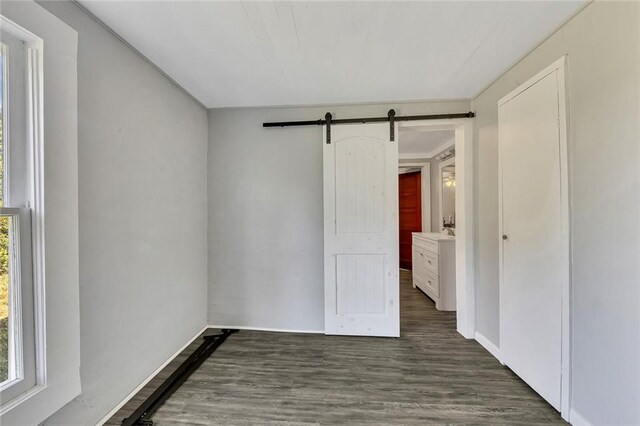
[(142, 147), (603, 47), (266, 214)]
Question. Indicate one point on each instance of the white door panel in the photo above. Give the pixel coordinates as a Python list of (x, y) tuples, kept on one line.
[(361, 231), (532, 253)]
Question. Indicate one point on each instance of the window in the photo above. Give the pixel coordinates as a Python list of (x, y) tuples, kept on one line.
[(43, 357), (17, 320), (4, 244)]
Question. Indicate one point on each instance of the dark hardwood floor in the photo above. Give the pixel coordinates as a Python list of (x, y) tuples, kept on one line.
[(430, 375)]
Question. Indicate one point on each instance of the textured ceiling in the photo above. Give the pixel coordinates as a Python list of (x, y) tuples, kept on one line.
[(230, 54)]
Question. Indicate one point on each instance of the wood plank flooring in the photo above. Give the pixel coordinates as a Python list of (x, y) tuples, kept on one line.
[(430, 375)]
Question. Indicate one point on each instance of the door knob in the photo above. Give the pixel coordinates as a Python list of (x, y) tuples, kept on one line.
[(504, 237)]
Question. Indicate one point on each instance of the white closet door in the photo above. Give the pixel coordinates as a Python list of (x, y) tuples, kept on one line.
[(532, 249), (361, 231)]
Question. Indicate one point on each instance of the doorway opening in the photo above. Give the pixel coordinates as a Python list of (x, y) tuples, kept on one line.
[(361, 226), (435, 216), (409, 212), (427, 259)]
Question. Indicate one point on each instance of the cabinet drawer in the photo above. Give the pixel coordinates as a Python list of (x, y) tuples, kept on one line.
[(426, 244), (419, 269), (428, 260), (431, 282)]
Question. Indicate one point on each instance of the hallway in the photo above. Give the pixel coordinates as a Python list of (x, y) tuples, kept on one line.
[(430, 375)]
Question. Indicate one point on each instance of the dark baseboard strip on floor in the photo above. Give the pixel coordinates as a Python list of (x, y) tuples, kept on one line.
[(142, 414)]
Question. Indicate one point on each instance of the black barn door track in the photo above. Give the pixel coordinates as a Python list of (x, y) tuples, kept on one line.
[(142, 415)]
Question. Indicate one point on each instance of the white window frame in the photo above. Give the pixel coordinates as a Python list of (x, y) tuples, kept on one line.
[(21, 360), (26, 324), (14, 323), (52, 65)]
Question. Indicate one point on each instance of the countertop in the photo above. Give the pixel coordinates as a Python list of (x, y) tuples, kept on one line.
[(437, 236)]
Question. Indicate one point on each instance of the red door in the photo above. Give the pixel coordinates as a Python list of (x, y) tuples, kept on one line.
[(410, 202)]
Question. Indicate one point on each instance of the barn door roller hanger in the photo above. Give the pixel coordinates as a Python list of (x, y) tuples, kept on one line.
[(391, 118)]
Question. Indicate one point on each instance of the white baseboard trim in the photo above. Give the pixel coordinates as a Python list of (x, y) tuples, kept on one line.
[(171, 358), (576, 419), (488, 345), (148, 379), (277, 330)]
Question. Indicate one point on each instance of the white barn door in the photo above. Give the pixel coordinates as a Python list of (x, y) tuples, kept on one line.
[(533, 252), (361, 231)]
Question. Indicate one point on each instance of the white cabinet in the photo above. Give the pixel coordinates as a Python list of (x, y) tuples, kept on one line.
[(434, 268)]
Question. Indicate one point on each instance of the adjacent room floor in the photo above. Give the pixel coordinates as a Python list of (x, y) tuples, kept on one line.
[(430, 375)]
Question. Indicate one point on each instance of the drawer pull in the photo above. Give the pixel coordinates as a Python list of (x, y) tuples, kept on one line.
[(429, 262)]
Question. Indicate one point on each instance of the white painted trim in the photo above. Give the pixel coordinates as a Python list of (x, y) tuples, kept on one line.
[(425, 191), (138, 388), (488, 345), (5, 115), (559, 67), (35, 70), (15, 383), (30, 266), (465, 230), (425, 196), (576, 419), (465, 219), (565, 396), (19, 32), (441, 165), (412, 164), (556, 65), (275, 330)]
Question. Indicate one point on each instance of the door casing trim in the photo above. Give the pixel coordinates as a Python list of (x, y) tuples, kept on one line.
[(465, 218)]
